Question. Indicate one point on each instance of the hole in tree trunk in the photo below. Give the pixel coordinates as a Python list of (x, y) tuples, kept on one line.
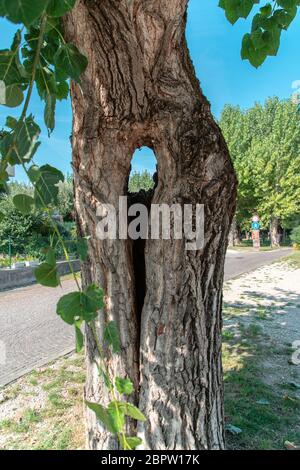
[(141, 186)]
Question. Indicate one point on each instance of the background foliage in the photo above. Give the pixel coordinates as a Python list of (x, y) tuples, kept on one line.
[(264, 142)]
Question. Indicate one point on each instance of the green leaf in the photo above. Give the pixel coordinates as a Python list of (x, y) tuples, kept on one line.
[(45, 82), (129, 441), (46, 189), (63, 89), (106, 379), (267, 25), (24, 11), (9, 71), (49, 114), (60, 7), (103, 415), (2, 8), (284, 18), (50, 256), (82, 248), (246, 7), (111, 336), (116, 413), (266, 10), (133, 411), (94, 296), (11, 122), (47, 275), (272, 39), (20, 145), (70, 307), (23, 203), (80, 305), (15, 48), (235, 9), (34, 173), (13, 96), (124, 386), (52, 23), (2, 216), (255, 56), (71, 61), (133, 441), (79, 339), (287, 4)]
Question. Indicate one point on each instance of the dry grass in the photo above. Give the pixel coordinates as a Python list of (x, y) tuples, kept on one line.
[(44, 409)]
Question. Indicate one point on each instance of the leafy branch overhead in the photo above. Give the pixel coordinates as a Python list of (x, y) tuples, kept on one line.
[(268, 22), (57, 60)]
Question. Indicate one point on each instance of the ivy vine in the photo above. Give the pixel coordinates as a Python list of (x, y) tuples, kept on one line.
[(40, 57)]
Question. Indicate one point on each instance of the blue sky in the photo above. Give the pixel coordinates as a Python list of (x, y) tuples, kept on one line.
[(215, 49)]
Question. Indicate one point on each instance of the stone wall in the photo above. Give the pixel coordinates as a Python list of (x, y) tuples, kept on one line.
[(12, 278)]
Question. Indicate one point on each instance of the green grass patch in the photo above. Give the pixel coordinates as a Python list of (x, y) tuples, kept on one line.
[(266, 415), (60, 438), (228, 335), (294, 260), (23, 424)]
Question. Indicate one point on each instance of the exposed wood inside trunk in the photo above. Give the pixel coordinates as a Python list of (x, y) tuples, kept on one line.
[(139, 90)]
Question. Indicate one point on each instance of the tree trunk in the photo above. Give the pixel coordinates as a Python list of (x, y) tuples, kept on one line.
[(274, 232), (234, 234), (139, 90)]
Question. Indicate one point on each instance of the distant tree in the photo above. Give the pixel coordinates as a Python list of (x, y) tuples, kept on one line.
[(264, 142), (295, 235), (65, 205), (138, 181), (22, 229), (28, 231), (275, 156), (235, 128)]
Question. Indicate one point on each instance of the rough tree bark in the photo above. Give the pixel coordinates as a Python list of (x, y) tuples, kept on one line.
[(139, 90), (274, 232), (234, 234)]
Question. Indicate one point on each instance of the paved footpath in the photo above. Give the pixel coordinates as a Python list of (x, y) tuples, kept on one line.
[(32, 334), (30, 329), (240, 262)]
